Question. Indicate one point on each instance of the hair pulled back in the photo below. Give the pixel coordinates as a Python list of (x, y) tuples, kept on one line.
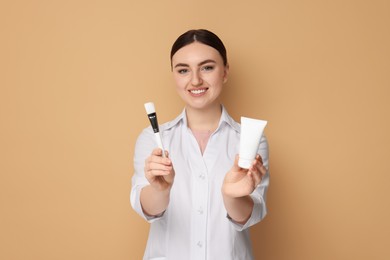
[(203, 36)]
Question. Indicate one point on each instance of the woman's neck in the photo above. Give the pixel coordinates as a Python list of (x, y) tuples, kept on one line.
[(206, 119)]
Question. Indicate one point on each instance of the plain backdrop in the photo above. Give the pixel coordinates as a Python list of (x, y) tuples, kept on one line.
[(73, 79)]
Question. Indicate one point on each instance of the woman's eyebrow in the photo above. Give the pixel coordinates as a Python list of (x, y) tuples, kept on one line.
[(181, 65), (206, 61), (200, 64)]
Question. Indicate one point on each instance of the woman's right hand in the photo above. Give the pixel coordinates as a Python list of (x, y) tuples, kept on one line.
[(159, 170)]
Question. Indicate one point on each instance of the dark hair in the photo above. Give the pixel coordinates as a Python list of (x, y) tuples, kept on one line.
[(202, 36)]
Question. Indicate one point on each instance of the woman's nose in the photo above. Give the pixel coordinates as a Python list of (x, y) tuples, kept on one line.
[(196, 79)]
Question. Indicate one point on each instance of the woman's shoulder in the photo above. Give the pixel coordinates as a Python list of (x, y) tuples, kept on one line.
[(173, 123)]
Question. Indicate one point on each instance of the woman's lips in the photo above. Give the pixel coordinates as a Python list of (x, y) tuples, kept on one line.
[(198, 91)]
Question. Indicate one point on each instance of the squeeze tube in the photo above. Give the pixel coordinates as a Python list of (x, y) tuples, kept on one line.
[(251, 133)]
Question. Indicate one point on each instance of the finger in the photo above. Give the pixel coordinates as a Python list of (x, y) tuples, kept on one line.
[(157, 152), (158, 159), (152, 166), (159, 166), (258, 158), (256, 177), (255, 166), (261, 168), (258, 169), (156, 166), (256, 173), (258, 163), (156, 173)]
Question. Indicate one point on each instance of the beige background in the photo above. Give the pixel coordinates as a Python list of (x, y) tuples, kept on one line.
[(75, 75)]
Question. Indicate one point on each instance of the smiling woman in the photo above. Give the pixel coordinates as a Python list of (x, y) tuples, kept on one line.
[(199, 73), (199, 202)]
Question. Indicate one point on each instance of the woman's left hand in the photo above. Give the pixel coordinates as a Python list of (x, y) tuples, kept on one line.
[(241, 182)]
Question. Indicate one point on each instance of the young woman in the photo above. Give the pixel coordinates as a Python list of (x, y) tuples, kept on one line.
[(199, 202)]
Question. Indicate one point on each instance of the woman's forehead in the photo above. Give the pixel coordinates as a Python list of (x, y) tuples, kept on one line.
[(196, 52)]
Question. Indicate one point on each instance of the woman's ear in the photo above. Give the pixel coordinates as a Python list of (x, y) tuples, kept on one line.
[(226, 73)]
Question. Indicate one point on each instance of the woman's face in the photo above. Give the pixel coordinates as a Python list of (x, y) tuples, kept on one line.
[(199, 74)]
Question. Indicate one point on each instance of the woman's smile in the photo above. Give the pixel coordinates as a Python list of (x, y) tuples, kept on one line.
[(198, 92)]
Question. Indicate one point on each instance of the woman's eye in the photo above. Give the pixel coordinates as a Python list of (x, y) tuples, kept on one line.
[(182, 71), (207, 68)]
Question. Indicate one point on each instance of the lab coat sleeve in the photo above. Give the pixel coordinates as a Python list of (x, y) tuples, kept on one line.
[(259, 195), (143, 148)]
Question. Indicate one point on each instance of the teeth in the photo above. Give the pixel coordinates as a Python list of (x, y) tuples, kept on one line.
[(197, 91)]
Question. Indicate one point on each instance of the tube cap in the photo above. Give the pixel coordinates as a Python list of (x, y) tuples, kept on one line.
[(244, 163)]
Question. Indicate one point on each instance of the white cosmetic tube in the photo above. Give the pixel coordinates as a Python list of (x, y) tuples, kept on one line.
[(251, 133)]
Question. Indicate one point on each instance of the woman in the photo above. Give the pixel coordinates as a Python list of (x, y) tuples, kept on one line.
[(199, 202)]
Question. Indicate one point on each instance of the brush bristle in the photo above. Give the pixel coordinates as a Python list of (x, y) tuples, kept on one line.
[(149, 107)]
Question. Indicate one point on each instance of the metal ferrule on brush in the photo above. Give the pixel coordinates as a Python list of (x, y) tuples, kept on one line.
[(154, 122)]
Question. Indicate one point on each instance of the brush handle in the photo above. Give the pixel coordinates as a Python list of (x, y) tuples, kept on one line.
[(159, 143)]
